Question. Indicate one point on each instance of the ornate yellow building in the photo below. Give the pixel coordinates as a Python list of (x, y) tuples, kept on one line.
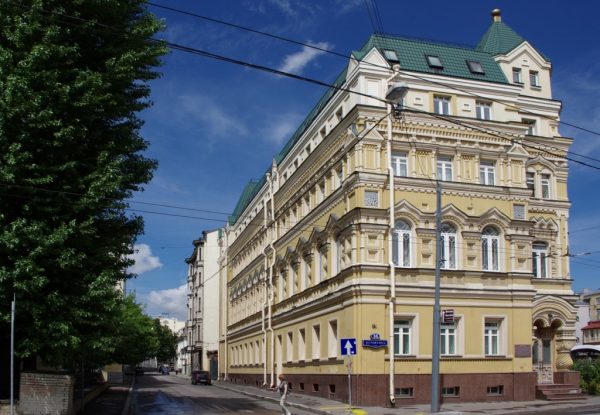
[(320, 250)]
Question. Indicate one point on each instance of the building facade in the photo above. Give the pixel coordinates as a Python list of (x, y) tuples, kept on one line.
[(203, 303), (338, 239)]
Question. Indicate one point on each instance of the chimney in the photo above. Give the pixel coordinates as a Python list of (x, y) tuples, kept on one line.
[(496, 15)]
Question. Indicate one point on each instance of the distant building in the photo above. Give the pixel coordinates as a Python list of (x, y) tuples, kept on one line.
[(172, 323), (338, 239), (203, 303)]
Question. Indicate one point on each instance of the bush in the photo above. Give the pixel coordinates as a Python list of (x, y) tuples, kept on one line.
[(589, 371)]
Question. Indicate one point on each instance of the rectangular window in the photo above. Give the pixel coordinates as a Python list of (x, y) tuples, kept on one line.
[(519, 211), (487, 173), (483, 110), (450, 391), (403, 392), (402, 337), (400, 164), (332, 339), (289, 349), (531, 126), (495, 390), (441, 105), (371, 198), (517, 78), (492, 338), (434, 62), (321, 192), (530, 181), (545, 182), (301, 344), (390, 55), (316, 342), (444, 168), (475, 67), (448, 339), (534, 78), (322, 264)]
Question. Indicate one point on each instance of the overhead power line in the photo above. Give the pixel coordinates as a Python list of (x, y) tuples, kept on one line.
[(345, 56)]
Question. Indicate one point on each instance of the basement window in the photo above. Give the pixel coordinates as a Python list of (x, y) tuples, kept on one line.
[(434, 62), (495, 390), (403, 392), (450, 391), (475, 67)]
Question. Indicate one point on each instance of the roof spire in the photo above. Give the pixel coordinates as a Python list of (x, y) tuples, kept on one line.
[(496, 15)]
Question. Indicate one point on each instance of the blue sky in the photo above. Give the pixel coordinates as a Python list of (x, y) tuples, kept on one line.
[(215, 125)]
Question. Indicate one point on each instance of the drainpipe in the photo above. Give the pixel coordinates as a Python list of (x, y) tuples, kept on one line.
[(271, 294), (266, 294), (226, 308), (392, 301)]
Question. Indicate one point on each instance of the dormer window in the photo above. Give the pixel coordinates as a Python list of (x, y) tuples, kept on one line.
[(475, 67), (534, 78), (434, 62), (390, 55), (516, 74)]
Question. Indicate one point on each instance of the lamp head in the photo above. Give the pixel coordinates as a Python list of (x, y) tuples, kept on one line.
[(396, 92)]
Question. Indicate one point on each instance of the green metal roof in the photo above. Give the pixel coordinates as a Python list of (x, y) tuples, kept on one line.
[(412, 55), (251, 189), (500, 39)]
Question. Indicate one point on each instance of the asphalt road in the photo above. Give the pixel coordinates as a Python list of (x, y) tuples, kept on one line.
[(175, 395)]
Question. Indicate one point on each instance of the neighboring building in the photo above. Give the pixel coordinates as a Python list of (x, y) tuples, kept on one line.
[(588, 324), (591, 333), (319, 250), (582, 319), (183, 359), (592, 298), (203, 303)]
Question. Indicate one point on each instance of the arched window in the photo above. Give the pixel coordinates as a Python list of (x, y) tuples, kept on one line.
[(401, 244), (490, 241), (448, 236), (539, 259)]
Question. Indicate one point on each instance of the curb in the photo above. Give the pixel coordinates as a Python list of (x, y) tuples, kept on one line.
[(127, 406), (275, 400)]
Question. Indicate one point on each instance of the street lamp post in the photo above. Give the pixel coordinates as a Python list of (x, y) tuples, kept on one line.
[(435, 358)]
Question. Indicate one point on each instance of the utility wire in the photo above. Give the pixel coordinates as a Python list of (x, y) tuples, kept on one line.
[(341, 55)]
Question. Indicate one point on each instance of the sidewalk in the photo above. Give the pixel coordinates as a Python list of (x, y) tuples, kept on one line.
[(328, 407)]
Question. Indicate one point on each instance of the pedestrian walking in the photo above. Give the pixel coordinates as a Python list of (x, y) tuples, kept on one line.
[(283, 389)]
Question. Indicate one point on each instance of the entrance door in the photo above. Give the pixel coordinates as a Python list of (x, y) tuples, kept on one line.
[(542, 359)]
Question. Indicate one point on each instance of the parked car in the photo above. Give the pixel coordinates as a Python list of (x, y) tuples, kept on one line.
[(200, 376), (163, 370)]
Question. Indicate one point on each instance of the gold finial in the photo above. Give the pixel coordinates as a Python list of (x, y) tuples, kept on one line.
[(496, 15)]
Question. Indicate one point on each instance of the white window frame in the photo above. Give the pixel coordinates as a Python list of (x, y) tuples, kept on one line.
[(322, 271), (531, 126), (534, 79), (449, 339), (483, 110), (488, 252), (316, 342), (487, 173), (530, 181), (491, 338), (444, 168), (449, 247), (289, 346), (400, 164), (500, 335), (442, 104), (539, 259), (302, 344), (546, 185), (517, 75), (403, 329), (401, 243)]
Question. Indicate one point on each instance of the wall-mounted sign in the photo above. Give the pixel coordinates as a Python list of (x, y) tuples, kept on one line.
[(375, 342)]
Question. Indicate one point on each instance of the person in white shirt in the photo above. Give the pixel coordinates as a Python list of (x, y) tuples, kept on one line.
[(283, 388)]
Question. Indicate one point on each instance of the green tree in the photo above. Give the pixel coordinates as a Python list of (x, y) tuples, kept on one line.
[(167, 342), (73, 77)]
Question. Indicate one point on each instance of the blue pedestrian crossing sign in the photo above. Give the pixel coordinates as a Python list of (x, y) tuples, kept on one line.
[(348, 347)]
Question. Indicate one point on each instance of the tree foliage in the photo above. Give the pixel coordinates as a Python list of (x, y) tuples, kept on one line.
[(167, 342), (73, 76), (589, 371)]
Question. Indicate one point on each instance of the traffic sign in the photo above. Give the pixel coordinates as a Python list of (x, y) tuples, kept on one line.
[(348, 347)]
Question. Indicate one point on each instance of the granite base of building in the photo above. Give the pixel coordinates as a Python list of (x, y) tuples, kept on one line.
[(373, 390)]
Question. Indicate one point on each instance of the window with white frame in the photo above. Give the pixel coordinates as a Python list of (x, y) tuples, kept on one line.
[(307, 271), (517, 77), (448, 235), (257, 355), (401, 240), (316, 342), (441, 105), (302, 344), (444, 168), (534, 78), (483, 110), (322, 264), (448, 339), (332, 339), (530, 181), (546, 186), (400, 164), (487, 173), (402, 337), (491, 337), (531, 126), (539, 259), (490, 247), (289, 349)]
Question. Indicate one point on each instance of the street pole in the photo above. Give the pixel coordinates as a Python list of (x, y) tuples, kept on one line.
[(12, 355), (349, 382), (435, 358)]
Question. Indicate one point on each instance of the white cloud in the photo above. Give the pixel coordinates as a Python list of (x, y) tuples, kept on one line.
[(171, 302), (144, 260), (296, 62), (285, 6), (281, 129), (215, 120), (344, 6)]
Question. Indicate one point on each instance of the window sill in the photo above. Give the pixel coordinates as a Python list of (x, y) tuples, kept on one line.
[(536, 87)]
